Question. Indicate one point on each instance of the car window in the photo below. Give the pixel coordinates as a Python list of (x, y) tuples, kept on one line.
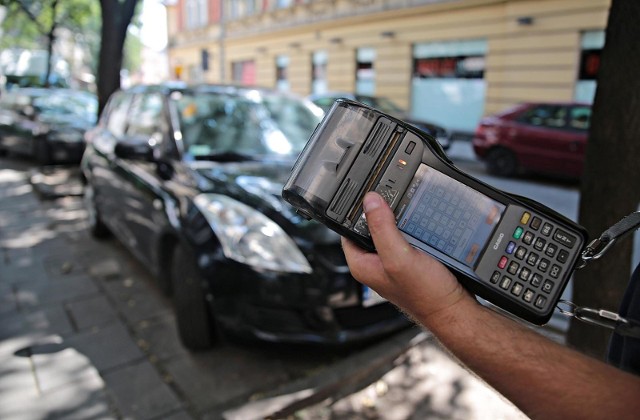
[(383, 104), (292, 117), (552, 116), (214, 123), (580, 117), (67, 104), (324, 103), (146, 116), (117, 113)]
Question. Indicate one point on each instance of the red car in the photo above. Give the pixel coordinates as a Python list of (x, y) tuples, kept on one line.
[(546, 138)]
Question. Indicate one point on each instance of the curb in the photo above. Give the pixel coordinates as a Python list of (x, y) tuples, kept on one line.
[(338, 380)]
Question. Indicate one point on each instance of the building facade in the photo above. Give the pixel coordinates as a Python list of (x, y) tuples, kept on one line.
[(448, 61)]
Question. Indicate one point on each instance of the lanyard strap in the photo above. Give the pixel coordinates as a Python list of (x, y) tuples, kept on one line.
[(595, 250), (598, 247)]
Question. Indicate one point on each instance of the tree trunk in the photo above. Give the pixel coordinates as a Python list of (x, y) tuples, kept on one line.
[(116, 16), (50, 40), (611, 186)]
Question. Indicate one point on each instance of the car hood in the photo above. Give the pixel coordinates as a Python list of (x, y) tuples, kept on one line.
[(259, 185)]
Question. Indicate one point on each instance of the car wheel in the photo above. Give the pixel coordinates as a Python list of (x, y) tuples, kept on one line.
[(194, 319), (502, 162), (96, 226)]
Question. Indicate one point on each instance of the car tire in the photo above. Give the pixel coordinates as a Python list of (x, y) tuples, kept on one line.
[(502, 162), (194, 320), (97, 228)]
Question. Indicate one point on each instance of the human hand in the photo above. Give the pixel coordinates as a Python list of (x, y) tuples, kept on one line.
[(411, 279)]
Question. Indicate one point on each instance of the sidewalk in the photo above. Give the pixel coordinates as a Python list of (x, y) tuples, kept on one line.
[(81, 337), (41, 375)]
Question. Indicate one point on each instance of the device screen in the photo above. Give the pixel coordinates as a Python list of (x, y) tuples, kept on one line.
[(448, 215)]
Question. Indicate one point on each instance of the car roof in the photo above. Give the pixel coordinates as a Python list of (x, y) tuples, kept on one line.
[(169, 87), (569, 103)]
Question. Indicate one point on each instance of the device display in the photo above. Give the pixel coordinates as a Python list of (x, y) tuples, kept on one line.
[(448, 215), (509, 250)]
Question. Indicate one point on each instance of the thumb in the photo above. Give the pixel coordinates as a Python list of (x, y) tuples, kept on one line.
[(389, 242)]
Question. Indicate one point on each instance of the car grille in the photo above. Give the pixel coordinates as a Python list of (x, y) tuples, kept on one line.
[(283, 320), (359, 317)]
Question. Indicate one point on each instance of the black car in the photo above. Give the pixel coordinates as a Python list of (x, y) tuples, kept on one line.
[(46, 124), (325, 100), (190, 180)]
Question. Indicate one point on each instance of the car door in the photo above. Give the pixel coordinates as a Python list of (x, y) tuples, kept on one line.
[(141, 194), (578, 132), (544, 141), (99, 158)]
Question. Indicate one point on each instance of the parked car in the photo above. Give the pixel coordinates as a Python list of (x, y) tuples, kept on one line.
[(546, 138), (387, 106), (190, 180), (47, 124)]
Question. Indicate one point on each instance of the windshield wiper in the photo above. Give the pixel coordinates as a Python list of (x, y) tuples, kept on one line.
[(227, 156)]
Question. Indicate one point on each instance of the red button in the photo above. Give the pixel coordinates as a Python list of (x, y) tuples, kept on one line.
[(502, 263)]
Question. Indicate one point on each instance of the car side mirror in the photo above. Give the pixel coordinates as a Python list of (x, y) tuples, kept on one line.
[(135, 150)]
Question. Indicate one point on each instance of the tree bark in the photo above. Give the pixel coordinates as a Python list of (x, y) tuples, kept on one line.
[(51, 39), (116, 16), (611, 184)]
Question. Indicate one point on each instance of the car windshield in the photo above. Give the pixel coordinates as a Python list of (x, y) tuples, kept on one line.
[(382, 104), (216, 124), (76, 104)]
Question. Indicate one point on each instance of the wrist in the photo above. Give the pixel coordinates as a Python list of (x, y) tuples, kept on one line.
[(456, 307)]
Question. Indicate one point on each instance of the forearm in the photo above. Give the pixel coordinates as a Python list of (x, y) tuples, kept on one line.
[(544, 379)]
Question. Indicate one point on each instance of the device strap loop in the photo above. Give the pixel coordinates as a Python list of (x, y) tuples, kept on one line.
[(598, 247), (603, 318), (595, 250)]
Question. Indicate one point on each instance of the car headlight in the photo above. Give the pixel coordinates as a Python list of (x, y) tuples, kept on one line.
[(250, 237), (66, 136)]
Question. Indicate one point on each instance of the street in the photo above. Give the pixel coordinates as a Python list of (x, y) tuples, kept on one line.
[(85, 333)]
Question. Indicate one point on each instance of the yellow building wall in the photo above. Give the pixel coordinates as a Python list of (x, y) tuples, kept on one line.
[(524, 62)]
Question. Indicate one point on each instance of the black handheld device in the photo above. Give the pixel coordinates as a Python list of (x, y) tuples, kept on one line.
[(509, 250)]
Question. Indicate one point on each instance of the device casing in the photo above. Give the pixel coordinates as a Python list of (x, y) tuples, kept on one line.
[(350, 152)]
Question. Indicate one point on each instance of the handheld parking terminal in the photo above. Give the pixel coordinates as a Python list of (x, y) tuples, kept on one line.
[(509, 250)]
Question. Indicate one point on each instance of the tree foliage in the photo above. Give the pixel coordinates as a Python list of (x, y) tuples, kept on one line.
[(31, 23)]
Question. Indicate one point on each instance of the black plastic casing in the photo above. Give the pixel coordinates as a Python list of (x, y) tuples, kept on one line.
[(348, 155)]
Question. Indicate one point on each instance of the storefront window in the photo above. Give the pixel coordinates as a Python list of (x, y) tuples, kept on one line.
[(282, 72), (591, 46), (365, 71), (244, 72), (319, 72), (448, 86)]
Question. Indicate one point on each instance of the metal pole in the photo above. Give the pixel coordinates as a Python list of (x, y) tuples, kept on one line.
[(222, 41)]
